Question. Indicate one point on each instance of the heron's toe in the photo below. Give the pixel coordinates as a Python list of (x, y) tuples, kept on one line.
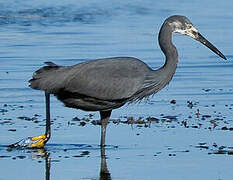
[(39, 141)]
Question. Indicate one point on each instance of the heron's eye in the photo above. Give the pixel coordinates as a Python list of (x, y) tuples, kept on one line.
[(189, 26)]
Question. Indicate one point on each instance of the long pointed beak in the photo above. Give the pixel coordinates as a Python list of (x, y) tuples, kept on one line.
[(204, 41)]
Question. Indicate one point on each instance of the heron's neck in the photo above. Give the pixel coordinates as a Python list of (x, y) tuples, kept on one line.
[(169, 50)]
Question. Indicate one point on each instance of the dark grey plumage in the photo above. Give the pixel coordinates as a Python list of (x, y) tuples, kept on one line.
[(106, 84), (100, 84)]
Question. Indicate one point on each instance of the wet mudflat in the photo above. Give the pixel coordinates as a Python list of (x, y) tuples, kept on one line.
[(183, 132)]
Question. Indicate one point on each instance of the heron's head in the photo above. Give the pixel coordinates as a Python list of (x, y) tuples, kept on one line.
[(182, 25)]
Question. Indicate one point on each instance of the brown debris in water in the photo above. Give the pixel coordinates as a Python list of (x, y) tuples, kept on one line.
[(198, 113), (76, 119), (214, 123), (190, 104), (173, 101), (82, 123), (96, 122), (215, 149)]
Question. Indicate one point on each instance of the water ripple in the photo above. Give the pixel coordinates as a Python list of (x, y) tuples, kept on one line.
[(52, 16)]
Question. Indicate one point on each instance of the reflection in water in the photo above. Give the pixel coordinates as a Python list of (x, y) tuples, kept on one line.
[(104, 173), (45, 154), (47, 165), (48, 16)]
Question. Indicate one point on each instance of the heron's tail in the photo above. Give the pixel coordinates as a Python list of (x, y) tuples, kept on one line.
[(43, 78)]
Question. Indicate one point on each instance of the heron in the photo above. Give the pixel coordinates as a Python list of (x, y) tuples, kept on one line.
[(109, 83)]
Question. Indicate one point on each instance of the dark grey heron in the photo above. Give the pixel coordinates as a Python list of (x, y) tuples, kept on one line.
[(106, 84)]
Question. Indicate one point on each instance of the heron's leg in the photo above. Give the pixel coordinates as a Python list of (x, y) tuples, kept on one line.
[(105, 116), (37, 141), (48, 122), (43, 139), (47, 165)]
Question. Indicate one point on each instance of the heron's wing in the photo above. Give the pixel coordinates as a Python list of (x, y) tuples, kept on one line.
[(107, 79)]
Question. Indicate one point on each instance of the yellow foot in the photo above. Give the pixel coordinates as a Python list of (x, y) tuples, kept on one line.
[(39, 141), (30, 142)]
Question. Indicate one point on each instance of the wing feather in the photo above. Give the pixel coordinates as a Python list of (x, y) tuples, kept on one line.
[(107, 79)]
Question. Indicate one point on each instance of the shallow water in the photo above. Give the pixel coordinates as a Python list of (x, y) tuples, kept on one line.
[(191, 139)]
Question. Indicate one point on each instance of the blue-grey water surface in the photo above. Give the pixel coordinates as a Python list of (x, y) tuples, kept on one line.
[(191, 139)]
